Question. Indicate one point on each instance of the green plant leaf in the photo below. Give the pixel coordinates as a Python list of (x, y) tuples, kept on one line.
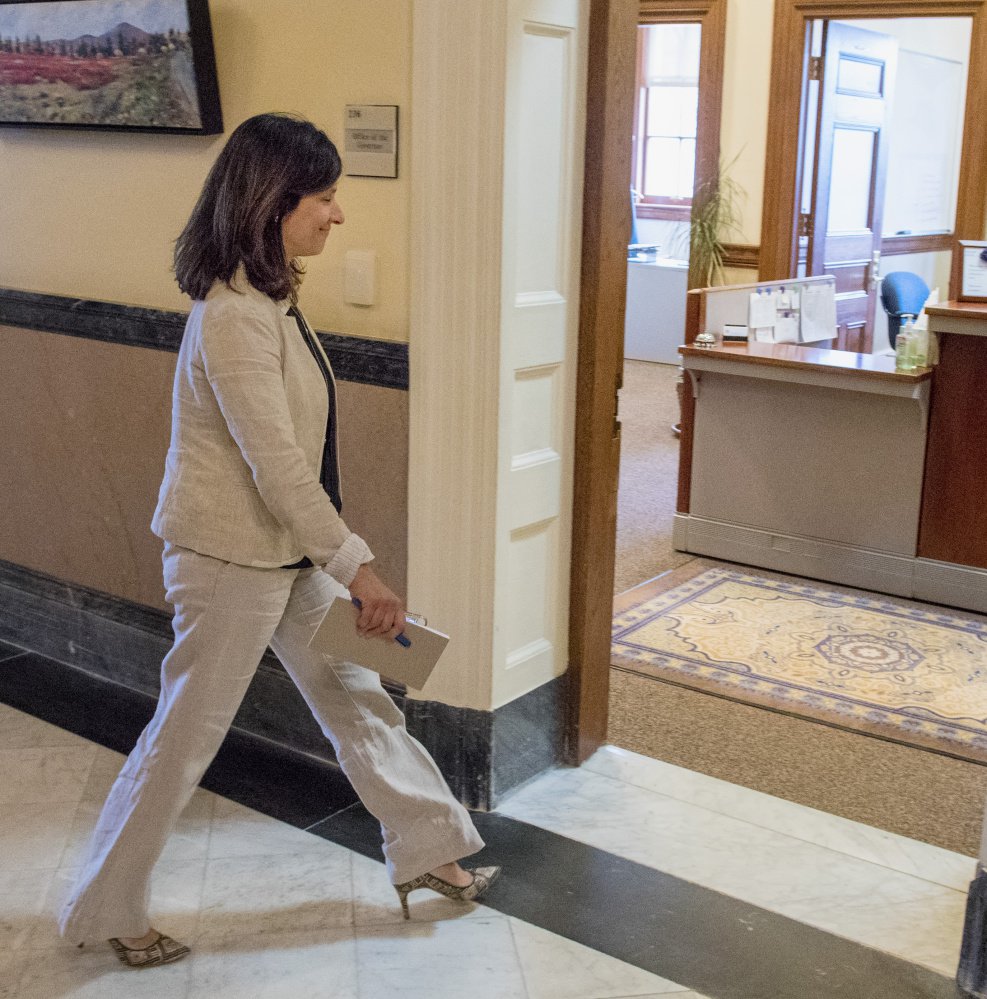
[(716, 205)]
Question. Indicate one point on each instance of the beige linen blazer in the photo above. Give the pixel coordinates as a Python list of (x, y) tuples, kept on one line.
[(249, 415)]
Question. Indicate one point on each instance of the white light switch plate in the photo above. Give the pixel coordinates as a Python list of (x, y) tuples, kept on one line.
[(360, 277)]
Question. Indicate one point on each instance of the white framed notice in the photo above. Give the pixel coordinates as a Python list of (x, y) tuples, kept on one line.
[(370, 147), (971, 258)]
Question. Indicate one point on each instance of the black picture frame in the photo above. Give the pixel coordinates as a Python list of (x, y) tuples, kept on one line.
[(194, 104)]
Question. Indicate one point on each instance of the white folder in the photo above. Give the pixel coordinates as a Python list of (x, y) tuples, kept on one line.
[(337, 638)]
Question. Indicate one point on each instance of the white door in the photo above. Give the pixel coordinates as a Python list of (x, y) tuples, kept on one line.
[(539, 326)]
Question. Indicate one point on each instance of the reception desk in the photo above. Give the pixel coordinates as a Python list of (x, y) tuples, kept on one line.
[(833, 465), (804, 460)]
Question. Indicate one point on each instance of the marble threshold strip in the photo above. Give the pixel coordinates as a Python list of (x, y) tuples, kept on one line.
[(382, 363), (700, 938)]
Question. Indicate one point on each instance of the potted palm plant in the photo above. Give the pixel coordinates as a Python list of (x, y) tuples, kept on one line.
[(715, 217)]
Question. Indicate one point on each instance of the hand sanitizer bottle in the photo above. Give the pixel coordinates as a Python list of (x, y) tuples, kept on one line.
[(904, 348)]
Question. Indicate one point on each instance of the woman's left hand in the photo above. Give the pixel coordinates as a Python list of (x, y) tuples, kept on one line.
[(382, 613)]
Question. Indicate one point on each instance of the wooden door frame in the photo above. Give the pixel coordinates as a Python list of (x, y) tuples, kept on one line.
[(603, 283), (779, 226)]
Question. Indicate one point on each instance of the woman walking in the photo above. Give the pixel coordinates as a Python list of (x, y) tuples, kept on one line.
[(256, 550)]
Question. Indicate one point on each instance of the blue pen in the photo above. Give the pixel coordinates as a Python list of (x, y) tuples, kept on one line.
[(401, 639)]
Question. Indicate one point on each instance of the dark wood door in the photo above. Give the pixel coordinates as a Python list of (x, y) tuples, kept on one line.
[(858, 70)]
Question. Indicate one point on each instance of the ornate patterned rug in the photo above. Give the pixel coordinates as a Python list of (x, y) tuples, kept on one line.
[(874, 664)]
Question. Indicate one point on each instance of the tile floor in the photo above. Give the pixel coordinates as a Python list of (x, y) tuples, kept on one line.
[(270, 910), (274, 911), (887, 892)]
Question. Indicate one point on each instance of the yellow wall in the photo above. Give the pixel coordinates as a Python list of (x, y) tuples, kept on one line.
[(744, 124), (95, 214)]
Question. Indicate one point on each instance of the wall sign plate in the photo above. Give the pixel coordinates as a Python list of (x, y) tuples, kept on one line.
[(370, 147), (971, 260)]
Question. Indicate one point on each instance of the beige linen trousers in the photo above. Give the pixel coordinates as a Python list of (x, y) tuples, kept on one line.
[(226, 615)]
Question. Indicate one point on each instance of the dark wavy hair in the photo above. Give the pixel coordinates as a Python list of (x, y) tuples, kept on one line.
[(268, 164)]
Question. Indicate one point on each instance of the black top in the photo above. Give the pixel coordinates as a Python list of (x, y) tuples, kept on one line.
[(329, 475)]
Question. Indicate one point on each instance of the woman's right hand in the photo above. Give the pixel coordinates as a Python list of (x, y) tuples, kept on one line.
[(381, 610)]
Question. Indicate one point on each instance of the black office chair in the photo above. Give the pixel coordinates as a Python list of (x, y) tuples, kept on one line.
[(902, 294)]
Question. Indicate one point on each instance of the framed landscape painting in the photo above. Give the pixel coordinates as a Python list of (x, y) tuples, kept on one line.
[(141, 65)]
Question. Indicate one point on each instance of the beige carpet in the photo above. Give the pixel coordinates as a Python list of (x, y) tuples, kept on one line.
[(649, 468), (909, 791)]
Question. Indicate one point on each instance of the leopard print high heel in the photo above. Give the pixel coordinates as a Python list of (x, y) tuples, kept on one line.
[(483, 878), (163, 950)]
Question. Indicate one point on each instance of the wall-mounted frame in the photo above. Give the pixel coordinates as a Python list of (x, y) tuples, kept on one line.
[(123, 65), (970, 264), (370, 140)]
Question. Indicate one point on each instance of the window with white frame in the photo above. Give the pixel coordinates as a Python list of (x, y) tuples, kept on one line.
[(666, 116)]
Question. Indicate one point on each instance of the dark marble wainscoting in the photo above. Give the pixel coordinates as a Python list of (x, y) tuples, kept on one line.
[(528, 735), (354, 359), (104, 639), (486, 754)]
